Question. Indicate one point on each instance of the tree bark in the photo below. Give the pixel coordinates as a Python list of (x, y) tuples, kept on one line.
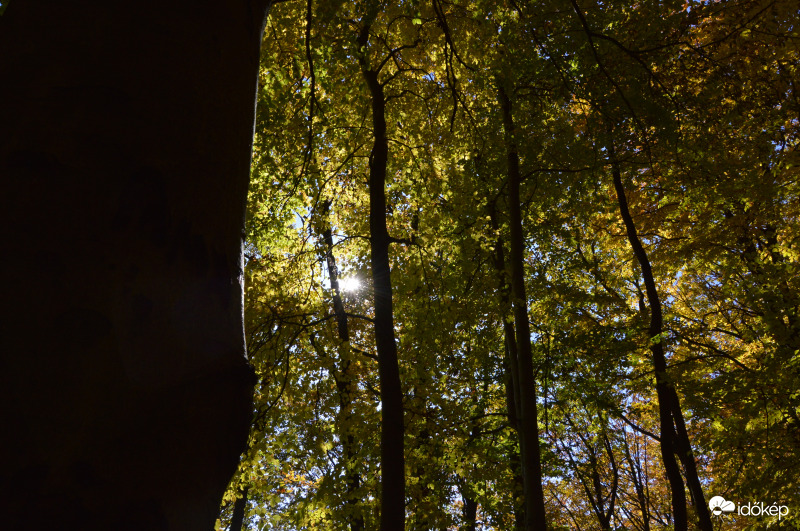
[(602, 505), (511, 369), (239, 507), (636, 479), (344, 386), (124, 163), (528, 411), (514, 461), (392, 428), (470, 513), (669, 410)]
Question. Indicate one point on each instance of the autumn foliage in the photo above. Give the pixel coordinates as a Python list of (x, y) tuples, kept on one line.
[(687, 110)]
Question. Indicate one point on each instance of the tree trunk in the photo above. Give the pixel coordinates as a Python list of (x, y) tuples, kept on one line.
[(392, 429), (514, 461), (669, 410), (124, 162), (602, 505), (239, 507), (637, 481), (511, 380), (344, 386), (528, 412), (470, 513)]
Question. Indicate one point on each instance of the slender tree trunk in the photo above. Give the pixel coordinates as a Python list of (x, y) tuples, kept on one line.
[(514, 461), (342, 328), (602, 505), (344, 386), (470, 507), (392, 429), (612, 495), (686, 455), (637, 482), (511, 380), (470, 513), (528, 413), (670, 414), (239, 506)]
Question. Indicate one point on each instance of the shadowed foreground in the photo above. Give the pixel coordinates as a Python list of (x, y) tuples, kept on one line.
[(125, 138)]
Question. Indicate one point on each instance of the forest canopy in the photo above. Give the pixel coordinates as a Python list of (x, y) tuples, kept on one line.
[(512, 265)]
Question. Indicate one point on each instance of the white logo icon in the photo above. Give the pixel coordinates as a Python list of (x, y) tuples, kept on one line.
[(719, 505)]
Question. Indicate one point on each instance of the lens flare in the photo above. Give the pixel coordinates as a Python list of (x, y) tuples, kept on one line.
[(349, 284)]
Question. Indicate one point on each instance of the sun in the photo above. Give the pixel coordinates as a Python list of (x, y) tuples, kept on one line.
[(350, 284)]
